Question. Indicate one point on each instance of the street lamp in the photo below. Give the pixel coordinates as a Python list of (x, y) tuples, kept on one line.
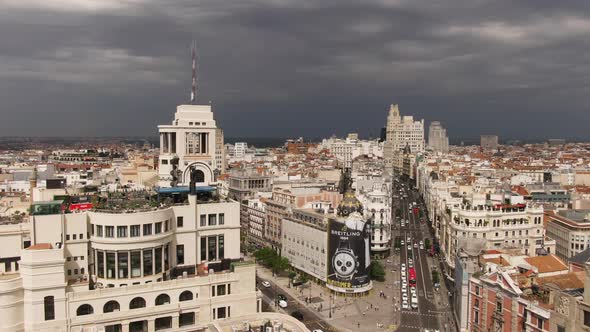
[(330, 303)]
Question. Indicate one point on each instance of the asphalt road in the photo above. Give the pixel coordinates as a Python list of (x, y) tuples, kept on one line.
[(425, 317), (310, 319)]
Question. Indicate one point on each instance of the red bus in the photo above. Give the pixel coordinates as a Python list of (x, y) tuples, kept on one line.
[(412, 276)]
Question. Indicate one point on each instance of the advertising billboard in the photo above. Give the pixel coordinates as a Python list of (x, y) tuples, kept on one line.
[(348, 256)]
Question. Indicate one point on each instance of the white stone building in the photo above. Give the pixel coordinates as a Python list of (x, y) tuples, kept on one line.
[(377, 210), (437, 137), (172, 266), (191, 142), (401, 132), (345, 150)]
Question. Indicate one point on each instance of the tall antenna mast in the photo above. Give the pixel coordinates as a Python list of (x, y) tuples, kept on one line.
[(194, 73)]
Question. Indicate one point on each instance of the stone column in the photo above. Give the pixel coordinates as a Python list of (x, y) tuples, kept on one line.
[(151, 325)]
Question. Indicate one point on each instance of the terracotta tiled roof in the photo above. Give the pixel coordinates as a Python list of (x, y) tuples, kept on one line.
[(40, 246), (546, 264)]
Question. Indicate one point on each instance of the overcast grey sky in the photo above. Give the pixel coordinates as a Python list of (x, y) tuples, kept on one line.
[(296, 67)]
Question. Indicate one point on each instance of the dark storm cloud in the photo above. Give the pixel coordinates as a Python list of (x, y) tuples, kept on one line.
[(295, 67)]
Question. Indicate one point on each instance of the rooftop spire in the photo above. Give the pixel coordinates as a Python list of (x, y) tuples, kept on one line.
[(194, 72)]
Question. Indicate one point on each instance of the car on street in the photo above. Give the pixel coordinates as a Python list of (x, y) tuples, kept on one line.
[(297, 314), (404, 288), (402, 242), (409, 247), (415, 244), (409, 239), (403, 267), (266, 284), (282, 304), (405, 305)]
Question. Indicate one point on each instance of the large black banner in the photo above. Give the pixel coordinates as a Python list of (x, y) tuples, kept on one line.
[(348, 253)]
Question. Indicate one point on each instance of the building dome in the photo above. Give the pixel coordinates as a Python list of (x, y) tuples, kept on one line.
[(349, 204)]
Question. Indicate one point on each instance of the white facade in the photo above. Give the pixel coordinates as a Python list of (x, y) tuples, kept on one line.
[(306, 247), (402, 132), (240, 149), (191, 139), (345, 150), (437, 137), (377, 209)]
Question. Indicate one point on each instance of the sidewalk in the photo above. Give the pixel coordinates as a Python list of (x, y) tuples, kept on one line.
[(369, 313)]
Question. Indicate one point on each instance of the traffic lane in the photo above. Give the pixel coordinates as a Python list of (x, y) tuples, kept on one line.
[(426, 306), (309, 318)]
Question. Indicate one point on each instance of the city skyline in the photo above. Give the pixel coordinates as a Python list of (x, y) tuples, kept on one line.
[(294, 68)]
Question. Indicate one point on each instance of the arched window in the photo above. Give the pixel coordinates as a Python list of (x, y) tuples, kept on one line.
[(85, 309), (162, 299), (49, 307), (200, 176), (136, 303), (185, 296), (111, 306)]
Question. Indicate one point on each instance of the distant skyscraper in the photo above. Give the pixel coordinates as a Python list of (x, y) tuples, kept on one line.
[(489, 142), (401, 132), (437, 137)]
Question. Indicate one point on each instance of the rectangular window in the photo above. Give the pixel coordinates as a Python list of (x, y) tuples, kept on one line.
[(166, 266), (109, 231), (499, 306), (560, 328), (221, 219), (49, 307), (203, 248), (158, 260), (212, 291), (586, 318), (158, 228), (81, 236), (203, 220), (135, 264), (220, 290), (121, 231), (179, 254), (123, 258), (135, 231), (179, 221), (67, 237), (228, 289), (73, 236), (148, 262), (539, 323), (76, 271), (221, 246), (147, 229), (221, 313), (166, 225), (69, 272), (212, 220), (110, 265), (212, 248), (100, 264)]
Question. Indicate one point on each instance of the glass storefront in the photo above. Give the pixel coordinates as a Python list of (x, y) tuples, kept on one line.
[(131, 264)]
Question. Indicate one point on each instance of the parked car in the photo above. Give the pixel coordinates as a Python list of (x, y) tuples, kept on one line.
[(282, 304), (405, 305), (266, 284), (297, 314)]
